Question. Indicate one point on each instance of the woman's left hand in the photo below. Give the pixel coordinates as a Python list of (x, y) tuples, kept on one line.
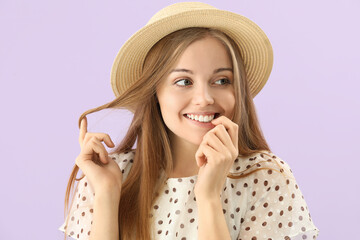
[(215, 156)]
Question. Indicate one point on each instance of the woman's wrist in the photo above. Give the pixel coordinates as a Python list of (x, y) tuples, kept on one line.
[(212, 223), (213, 200), (207, 197), (105, 215), (109, 195)]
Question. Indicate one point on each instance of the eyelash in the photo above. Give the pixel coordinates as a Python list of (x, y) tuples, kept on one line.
[(182, 86)]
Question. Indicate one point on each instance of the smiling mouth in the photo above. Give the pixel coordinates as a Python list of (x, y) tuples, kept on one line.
[(216, 115)]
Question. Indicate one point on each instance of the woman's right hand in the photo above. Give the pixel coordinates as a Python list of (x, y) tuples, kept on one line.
[(104, 174)]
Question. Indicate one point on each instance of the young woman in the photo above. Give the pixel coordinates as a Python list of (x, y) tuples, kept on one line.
[(201, 168)]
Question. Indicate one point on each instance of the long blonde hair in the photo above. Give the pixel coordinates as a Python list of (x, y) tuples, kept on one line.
[(153, 153)]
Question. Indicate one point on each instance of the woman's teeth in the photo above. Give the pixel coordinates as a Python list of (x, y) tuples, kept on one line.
[(201, 118)]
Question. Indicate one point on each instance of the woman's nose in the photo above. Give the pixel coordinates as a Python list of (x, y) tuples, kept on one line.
[(202, 96)]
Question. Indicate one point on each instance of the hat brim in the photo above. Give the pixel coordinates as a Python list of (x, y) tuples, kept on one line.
[(254, 45)]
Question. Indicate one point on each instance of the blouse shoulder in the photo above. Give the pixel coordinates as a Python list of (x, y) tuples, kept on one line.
[(263, 160), (276, 206)]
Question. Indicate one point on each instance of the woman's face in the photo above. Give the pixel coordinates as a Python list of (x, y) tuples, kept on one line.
[(200, 84)]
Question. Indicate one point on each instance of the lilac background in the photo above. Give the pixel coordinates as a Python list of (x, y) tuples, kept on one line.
[(55, 61)]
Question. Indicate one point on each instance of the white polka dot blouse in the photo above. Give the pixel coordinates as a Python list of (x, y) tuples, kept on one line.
[(264, 205)]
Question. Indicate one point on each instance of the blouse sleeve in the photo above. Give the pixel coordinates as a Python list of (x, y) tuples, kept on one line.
[(79, 220), (276, 207)]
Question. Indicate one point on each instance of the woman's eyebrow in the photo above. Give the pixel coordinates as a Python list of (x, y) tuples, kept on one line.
[(189, 71)]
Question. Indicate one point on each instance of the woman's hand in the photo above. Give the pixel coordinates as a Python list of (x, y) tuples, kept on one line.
[(215, 156), (104, 174)]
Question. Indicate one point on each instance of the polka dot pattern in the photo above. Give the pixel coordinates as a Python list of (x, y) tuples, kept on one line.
[(278, 209), (266, 204)]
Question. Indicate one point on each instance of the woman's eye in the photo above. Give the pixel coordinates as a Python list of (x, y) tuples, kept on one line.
[(184, 81), (224, 80)]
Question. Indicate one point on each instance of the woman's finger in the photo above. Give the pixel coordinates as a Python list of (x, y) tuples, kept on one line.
[(200, 156), (102, 151), (230, 127), (212, 139), (203, 153), (83, 130), (224, 137), (99, 148), (101, 137)]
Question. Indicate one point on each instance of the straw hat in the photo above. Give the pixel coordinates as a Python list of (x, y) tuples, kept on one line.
[(254, 45)]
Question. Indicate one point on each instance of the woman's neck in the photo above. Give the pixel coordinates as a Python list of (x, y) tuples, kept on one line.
[(183, 153)]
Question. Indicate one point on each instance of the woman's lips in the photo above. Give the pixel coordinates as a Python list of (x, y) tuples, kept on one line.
[(204, 114), (201, 124)]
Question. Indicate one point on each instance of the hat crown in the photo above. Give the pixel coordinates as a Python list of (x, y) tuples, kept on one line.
[(178, 8), (253, 44)]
